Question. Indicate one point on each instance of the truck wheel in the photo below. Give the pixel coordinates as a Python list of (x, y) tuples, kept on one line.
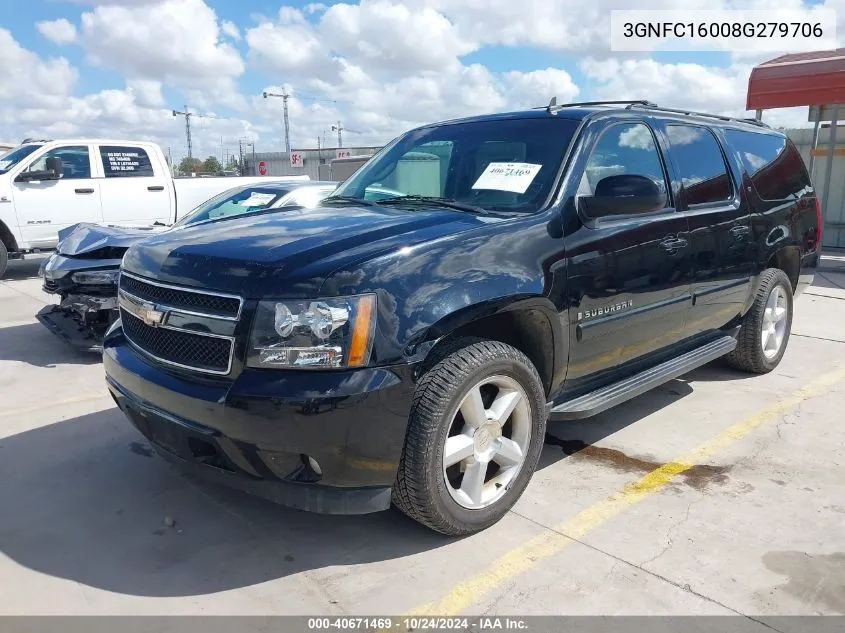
[(475, 433), (4, 259), (765, 329)]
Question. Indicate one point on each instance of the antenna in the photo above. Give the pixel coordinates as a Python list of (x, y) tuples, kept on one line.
[(284, 96)]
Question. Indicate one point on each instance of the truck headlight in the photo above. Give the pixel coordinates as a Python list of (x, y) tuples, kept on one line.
[(326, 333), (96, 277)]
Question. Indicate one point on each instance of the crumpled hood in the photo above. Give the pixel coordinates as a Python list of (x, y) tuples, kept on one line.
[(84, 237), (287, 253)]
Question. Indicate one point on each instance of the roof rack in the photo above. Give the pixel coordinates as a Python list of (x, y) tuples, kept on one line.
[(720, 117), (629, 104), (554, 107)]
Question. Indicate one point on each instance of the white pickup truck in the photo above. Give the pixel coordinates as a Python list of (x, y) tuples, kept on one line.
[(48, 186)]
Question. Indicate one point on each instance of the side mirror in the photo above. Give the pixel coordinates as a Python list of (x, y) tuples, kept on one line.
[(54, 171), (623, 194)]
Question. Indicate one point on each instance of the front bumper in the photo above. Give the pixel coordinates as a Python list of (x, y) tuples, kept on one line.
[(258, 431)]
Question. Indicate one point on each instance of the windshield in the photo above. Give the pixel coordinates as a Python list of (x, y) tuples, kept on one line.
[(12, 158), (500, 165), (247, 200)]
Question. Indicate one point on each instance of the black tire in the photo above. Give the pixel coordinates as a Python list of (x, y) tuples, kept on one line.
[(420, 490), (748, 355), (4, 259)]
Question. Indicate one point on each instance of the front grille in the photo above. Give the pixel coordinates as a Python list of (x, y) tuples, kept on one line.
[(51, 286), (210, 304), (178, 346)]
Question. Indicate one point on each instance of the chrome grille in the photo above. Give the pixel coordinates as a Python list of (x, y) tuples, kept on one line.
[(201, 335), (203, 302), (179, 347)]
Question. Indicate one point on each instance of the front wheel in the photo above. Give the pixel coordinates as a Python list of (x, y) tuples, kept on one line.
[(475, 434), (4, 259), (765, 329)]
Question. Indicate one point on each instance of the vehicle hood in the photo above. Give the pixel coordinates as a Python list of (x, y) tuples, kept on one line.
[(86, 239), (288, 253)]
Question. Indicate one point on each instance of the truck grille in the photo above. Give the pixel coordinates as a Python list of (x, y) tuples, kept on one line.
[(146, 308), (205, 303), (179, 347)]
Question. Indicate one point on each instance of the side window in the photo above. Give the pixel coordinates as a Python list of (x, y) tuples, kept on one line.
[(701, 166), (623, 149), (774, 165), (125, 162), (75, 162)]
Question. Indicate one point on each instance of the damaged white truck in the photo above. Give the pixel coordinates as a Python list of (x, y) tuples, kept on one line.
[(47, 186)]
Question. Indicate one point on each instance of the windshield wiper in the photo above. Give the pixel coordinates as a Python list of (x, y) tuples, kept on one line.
[(353, 199), (451, 203)]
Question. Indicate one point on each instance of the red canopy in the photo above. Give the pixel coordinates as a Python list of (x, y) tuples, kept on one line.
[(798, 79)]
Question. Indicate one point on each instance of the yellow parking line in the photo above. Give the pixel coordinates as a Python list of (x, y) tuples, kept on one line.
[(51, 405), (528, 555)]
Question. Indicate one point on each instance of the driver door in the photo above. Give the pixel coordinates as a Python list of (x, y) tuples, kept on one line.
[(47, 206)]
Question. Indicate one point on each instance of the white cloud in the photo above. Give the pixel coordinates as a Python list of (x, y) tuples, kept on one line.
[(57, 31), (25, 77), (147, 92), (231, 29), (175, 41), (315, 7)]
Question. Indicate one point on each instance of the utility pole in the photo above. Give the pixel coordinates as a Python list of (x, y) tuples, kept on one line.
[(188, 114), (339, 129), (284, 97), (241, 157)]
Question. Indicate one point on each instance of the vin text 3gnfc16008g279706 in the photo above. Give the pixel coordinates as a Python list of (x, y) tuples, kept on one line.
[(409, 349)]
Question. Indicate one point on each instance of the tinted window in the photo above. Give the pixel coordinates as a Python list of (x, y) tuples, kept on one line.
[(13, 157), (125, 162), (623, 149), (75, 162), (773, 164), (239, 202), (701, 166), (502, 165)]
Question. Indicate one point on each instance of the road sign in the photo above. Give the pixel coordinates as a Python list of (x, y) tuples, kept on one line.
[(262, 168), (297, 159), (342, 153)]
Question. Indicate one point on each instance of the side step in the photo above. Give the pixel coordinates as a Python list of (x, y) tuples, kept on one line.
[(602, 399)]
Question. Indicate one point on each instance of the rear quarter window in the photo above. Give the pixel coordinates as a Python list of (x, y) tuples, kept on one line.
[(771, 161), (125, 162)]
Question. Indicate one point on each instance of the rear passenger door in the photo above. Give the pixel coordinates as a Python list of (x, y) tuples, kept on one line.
[(134, 191), (628, 277), (719, 223)]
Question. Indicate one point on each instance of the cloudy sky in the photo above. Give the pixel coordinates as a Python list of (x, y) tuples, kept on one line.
[(118, 67)]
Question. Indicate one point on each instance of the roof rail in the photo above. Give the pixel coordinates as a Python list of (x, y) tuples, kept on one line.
[(554, 107), (702, 114)]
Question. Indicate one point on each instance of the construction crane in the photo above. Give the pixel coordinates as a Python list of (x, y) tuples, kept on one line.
[(284, 96), (340, 130), (188, 114)]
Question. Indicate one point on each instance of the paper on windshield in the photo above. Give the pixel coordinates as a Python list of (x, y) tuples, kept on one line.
[(258, 199), (515, 177)]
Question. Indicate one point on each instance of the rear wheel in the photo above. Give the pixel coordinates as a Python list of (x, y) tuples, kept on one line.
[(765, 329), (4, 259), (475, 433)]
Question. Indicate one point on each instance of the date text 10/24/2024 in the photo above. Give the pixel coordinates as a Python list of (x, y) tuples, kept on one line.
[(480, 624)]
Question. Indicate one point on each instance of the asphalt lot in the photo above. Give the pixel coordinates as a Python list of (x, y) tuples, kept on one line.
[(718, 493)]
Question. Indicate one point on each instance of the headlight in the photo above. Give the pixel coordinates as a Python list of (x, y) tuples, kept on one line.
[(326, 333), (96, 277)]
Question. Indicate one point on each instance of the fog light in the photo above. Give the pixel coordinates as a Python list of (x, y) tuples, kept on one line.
[(314, 465)]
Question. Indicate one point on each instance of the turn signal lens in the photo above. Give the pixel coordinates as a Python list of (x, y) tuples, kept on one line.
[(362, 332)]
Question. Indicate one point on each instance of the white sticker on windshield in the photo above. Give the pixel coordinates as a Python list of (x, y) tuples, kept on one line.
[(258, 199), (515, 177)]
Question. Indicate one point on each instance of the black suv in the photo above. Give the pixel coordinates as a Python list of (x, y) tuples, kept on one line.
[(407, 340)]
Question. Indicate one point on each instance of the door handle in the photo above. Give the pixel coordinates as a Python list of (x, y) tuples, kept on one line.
[(156, 188), (84, 190), (739, 230), (672, 244)]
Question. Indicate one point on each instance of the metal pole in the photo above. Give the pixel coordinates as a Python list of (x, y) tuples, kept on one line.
[(815, 143), (829, 166), (241, 157), (188, 132), (285, 97), (758, 115), (254, 164), (339, 135)]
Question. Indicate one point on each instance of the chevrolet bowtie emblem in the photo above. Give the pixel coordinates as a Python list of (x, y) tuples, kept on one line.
[(150, 316)]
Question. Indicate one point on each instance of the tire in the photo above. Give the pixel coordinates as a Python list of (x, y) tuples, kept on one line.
[(433, 494), (750, 354), (4, 259)]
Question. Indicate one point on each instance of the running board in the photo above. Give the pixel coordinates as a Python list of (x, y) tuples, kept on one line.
[(602, 399)]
